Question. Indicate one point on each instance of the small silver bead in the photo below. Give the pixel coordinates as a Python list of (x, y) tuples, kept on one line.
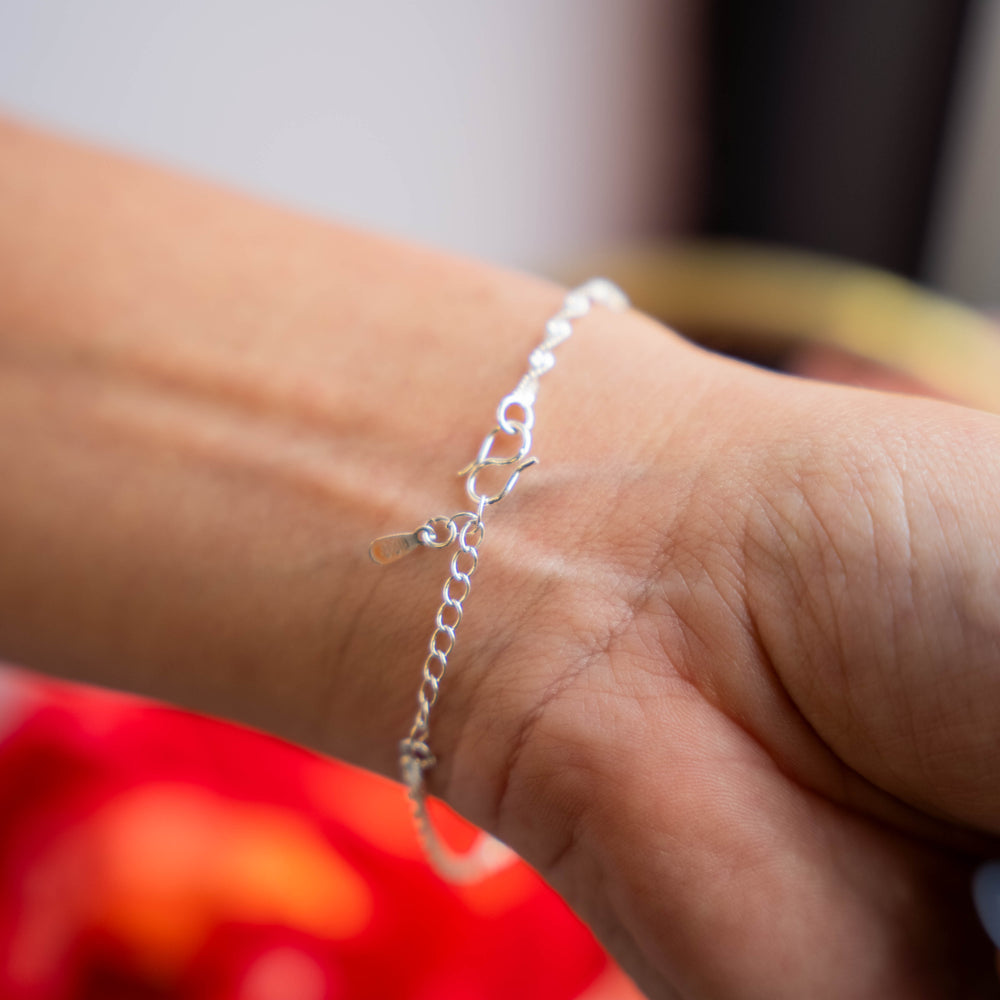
[(541, 360), (606, 293), (575, 305), (557, 330)]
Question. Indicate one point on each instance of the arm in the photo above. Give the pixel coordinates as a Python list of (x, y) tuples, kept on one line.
[(211, 406), (727, 671)]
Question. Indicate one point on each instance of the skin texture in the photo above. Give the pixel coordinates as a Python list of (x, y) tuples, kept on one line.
[(728, 670)]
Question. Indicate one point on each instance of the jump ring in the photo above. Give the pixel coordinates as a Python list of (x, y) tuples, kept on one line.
[(428, 534)]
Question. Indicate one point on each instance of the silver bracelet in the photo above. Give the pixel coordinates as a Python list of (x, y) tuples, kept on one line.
[(466, 530)]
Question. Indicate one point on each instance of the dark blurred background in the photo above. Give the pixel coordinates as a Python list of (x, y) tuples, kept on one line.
[(829, 123)]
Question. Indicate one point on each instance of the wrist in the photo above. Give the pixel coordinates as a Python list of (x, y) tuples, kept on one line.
[(568, 557)]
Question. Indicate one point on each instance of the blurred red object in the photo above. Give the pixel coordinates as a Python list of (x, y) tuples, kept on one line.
[(149, 853)]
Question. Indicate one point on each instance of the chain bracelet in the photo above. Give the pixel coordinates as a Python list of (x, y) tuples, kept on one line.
[(515, 420)]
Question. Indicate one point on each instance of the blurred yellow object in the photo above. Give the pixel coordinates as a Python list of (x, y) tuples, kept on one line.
[(746, 298)]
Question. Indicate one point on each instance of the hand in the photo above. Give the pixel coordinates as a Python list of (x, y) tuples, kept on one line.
[(741, 711)]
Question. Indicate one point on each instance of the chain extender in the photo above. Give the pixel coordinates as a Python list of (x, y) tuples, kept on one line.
[(515, 419)]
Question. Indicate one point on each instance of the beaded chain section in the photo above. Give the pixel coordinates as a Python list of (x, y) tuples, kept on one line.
[(465, 530)]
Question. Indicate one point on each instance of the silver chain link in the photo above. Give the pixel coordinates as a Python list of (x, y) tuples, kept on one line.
[(515, 419)]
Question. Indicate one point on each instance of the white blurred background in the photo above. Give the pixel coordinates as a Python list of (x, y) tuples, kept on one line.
[(522, 131)]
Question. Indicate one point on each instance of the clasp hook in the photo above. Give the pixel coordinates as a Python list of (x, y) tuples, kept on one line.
[(483, 460)]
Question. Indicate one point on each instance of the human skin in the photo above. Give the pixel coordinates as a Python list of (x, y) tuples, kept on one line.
[(727, 674)]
